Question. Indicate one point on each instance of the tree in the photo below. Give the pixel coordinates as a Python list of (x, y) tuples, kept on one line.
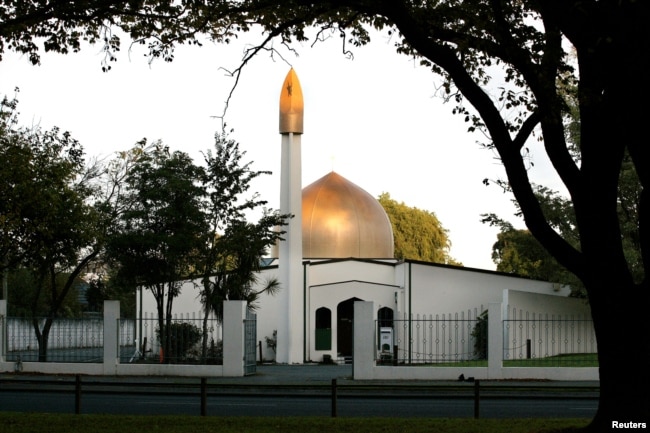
[(162, 229), (233, 248), (22, 287), (516, 251), (236, 274), (14, 155), (106, 286), (630, 201), (504, 65), (49, 223), (418, 234)]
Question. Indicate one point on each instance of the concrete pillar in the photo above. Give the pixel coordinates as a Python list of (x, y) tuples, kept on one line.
[(234, 314), (111, 336), (495, 340), (363, 349), (290, 326)]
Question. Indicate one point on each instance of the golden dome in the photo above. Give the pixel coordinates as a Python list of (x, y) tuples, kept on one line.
[(340, 220)]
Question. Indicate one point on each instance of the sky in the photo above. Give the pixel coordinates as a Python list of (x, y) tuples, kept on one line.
[(377, 119)]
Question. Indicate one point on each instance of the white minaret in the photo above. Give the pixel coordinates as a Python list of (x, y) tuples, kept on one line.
[(290, 338)]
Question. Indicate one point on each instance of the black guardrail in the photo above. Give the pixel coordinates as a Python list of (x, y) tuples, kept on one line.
[(476, 390)]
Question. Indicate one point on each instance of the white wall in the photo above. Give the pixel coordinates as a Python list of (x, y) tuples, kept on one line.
[(547, 304), (188, 301), (267, 315), (438, 289), (336, 271)]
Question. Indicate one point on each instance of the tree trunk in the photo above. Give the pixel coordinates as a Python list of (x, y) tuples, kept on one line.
[(167, 347), (42, 336), (158, 294), (206, 314), (623, 333), (204, 338)]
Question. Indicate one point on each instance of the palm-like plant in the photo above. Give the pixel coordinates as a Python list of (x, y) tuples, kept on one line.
[(233, 248), (236, 274)]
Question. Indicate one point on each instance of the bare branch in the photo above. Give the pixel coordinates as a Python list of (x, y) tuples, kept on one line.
[(249, 53)]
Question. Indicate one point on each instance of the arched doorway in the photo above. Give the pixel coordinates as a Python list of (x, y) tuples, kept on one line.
[(345, 322), (323, 329)]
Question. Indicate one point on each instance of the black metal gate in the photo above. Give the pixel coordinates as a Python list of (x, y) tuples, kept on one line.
[(250, 343)]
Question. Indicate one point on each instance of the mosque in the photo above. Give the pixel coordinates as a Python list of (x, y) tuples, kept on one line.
[(339, 248)]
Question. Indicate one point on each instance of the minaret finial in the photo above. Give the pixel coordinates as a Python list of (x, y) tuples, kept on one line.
[(291, 105)]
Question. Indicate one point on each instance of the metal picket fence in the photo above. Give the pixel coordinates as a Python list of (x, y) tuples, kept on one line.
[(530, 340), (535, 340), (69, 340), (183, 341), (438, 339)]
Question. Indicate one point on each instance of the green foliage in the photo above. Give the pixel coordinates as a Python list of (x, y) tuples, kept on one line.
[(46, 219), (22, 292), (181, 338), (179, 221), (102, 288), (51, 223), (235, 275), (161, 229), (418, 233), (629, 205), (21, 285), (272, 341), (234, 247), (518, 252), (214, 353), (480, 336)]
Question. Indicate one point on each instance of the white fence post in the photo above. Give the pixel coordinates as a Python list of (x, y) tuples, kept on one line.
[(111, 337), (363, 356), (234, 314), (495, 340), (3, 328)]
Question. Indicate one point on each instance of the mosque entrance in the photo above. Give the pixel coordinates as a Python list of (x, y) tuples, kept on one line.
[(345, 322)]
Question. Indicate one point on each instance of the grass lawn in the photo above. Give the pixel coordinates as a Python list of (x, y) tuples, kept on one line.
[(569, 360), (67, 423)]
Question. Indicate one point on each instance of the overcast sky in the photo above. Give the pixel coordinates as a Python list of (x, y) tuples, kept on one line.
[(376, 119)]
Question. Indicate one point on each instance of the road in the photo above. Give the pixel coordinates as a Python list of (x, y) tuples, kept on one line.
[(305, 405)]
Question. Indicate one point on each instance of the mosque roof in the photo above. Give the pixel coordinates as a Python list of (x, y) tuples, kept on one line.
[(340, 220)]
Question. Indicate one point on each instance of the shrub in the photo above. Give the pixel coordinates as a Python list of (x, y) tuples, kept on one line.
[(183, 336), (213, 353), (480, 335), (272, 342)]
